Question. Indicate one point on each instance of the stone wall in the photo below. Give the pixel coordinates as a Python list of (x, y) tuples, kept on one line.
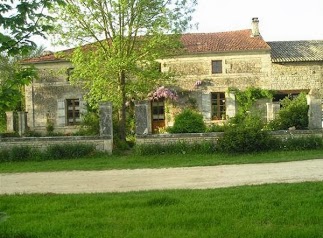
[(201, 137), (239, 69), (104, 144), (296, 76), (45, 98), (173, 138)]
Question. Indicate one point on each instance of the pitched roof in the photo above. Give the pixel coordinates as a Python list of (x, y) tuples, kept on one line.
[(296, 51), (196, 43), (222, 42)]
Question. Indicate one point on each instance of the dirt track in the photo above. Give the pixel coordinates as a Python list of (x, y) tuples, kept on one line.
[(157, 179)]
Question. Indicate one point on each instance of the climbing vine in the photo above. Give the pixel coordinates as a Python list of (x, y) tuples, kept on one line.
[(248, 97)]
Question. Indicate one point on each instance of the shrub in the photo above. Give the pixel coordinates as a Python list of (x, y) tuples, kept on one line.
[(22, 153), (294, 112), (247, 136), (302, 143), (90, 124), (188, 121), (4, 155), (215, 128), (17, 153), (68, 151)]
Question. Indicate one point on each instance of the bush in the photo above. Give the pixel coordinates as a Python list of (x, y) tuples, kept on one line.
[(17, 153), (294, 112), (188, 121), (215, 128), (68, 151), (181, 147), (302, 143), (247, 136)]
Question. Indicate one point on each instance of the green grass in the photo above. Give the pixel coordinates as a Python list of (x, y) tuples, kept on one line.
[(283, 210), (106, 162)]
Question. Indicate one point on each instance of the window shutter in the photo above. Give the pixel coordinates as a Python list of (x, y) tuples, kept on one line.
[(61, 112), (206, 106)]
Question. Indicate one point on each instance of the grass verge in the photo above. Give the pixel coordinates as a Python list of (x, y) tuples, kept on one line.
[(107, 162), (283, 210)]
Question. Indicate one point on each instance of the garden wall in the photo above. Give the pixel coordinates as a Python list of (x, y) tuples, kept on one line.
[(200, 137), (104, 144)]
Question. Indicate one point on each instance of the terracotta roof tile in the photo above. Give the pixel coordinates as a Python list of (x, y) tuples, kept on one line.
[(223, 41), (197, 43)]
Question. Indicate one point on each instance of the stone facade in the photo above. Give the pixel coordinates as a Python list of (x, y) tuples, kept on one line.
[(45, 98), (239, 70)]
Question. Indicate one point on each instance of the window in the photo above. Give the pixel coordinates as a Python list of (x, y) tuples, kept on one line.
[(158, 110), (218, 106), (69, 72), (73, 112), (216, 66)]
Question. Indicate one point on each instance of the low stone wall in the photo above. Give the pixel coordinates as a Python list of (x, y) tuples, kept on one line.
[(104, 144), (173, 138), (199, 137)]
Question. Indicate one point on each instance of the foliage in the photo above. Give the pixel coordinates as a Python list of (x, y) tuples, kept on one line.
[(12, 78), (248, 97), (90, 124), (127, 36), (215, 128), (294, 112), (188, 121), (3, 122), (68, 151), (246, 136), (180, 147), (301, 143), (54, 152), (19, 21)]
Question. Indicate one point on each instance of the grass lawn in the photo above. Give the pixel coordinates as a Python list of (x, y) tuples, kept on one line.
[(281, 210), (105, 162)]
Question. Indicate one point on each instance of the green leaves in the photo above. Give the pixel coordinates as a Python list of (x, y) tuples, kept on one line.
[(12, 79), (20, 20)]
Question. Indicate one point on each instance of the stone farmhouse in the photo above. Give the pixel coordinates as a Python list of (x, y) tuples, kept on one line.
[(212, 64)]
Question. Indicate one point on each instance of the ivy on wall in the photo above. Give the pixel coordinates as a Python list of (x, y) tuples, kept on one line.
[(248, 97)]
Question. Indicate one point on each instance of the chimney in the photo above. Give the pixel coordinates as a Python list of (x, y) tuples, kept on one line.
[(255, 27)]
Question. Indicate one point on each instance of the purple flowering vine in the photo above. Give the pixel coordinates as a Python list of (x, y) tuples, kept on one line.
[(163, 92)]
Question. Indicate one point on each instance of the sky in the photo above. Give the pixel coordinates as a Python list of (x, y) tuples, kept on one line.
[(279, 20)]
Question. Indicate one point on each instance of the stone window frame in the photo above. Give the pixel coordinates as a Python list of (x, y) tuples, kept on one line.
[(218, 106), (216, 66), (73, 113)]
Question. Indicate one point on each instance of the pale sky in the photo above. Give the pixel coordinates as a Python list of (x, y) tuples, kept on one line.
[(279, 20)]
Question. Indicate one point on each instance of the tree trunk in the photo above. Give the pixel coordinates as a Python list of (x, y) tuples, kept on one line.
[(122, 122)]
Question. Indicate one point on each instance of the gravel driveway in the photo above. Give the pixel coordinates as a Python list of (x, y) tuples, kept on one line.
[(157, 179)]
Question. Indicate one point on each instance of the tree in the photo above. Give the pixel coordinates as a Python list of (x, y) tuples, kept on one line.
[(127, 36), (12, 78), (19, 20)]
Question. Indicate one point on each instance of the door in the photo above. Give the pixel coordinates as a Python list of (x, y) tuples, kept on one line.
[(158, 114)]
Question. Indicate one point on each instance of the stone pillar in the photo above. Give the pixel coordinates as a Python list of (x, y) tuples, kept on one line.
[(272, 110), (10, 122), (143, 118), (230, 105), (314, 112), (22, 123), (106, 124)]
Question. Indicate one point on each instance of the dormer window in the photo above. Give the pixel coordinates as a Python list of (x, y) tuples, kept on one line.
[(216, 66)]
